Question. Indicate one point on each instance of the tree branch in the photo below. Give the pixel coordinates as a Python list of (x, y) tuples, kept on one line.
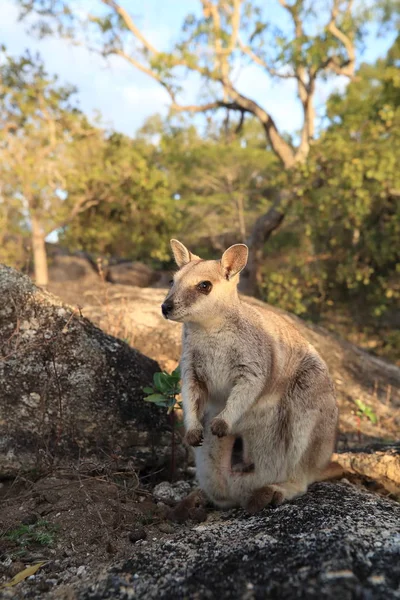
[(281, 148), (138, 65), (127, 19), (348, 67), (196, 108), (262, 63)]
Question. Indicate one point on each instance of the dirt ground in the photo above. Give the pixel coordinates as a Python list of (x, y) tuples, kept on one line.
[(77, 525)]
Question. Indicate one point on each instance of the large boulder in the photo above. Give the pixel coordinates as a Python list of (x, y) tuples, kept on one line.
[(335, 542), (65, 268), (131, 273), (67, 389)]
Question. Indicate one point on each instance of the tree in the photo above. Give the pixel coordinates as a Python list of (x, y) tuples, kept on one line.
[(353, 185), (229, 31), (48, 152), (318, 42), (220, 178), (140, 214), (340, 245), (13, 234)]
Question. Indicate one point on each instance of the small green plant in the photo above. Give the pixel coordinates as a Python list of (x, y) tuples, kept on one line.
[(165, 391), (42, 532), (166, 388), (365, 411)]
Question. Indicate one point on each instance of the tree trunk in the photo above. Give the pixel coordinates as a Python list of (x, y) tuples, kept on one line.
[(39, 252), (238, 199), (262, 230)]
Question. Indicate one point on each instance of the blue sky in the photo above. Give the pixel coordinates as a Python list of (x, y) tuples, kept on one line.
[(124, 96)]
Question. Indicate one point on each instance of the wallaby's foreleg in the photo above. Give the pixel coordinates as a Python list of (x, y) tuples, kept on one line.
[(194, 398)]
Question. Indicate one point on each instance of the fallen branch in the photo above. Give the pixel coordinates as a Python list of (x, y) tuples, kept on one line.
[(379, 462)]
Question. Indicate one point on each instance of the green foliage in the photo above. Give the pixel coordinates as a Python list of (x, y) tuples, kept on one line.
[(219, 180), (338, 248), (165, 390), (42, 533), (351, 192), (366, 411), (138, 215), (48, 150), (13, 235)]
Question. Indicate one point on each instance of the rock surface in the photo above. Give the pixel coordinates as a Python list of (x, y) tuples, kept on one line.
[(64, 268), (67, 389), (131, 273), (335, 542), (171, 493)]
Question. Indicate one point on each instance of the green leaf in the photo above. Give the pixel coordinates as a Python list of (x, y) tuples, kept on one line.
[(176, 373), (148, 390), (156, 398)]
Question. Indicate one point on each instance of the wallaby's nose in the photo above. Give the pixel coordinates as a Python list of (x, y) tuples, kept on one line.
[(166, 307)]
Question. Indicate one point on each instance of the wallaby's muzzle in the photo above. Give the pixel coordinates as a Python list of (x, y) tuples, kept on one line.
[(167, 307)]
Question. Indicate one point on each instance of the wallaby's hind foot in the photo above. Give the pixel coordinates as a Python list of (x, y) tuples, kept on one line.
[(274, 495), (264, 496)]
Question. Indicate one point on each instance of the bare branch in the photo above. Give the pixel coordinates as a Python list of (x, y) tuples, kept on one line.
[(262, 63), (127, 19), (235, 25), (193, 108), (348, 67), (137, 64), (282, 149)]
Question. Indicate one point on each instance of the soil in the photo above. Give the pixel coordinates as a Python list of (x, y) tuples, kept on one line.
[(77, 525)]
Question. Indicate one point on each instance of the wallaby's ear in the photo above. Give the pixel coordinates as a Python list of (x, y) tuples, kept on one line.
[(182, 255), (234, 260)]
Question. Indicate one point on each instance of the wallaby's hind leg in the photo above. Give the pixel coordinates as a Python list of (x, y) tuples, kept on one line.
[(274, 495)]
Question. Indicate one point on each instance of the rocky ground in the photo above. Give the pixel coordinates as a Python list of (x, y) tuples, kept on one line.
[(337, 541), (98, 520)]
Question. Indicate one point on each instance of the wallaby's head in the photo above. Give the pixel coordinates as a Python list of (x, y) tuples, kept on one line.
[(200, 288)]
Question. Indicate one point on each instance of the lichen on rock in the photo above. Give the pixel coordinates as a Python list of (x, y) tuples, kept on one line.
[(337, 541), (67, 389)]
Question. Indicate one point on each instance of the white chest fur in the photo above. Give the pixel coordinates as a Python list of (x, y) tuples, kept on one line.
[(213, 362)]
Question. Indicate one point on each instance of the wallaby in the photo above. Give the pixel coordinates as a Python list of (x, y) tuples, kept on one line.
[(250, 384)]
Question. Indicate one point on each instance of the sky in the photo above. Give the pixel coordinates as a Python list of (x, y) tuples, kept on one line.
[(124, 96)]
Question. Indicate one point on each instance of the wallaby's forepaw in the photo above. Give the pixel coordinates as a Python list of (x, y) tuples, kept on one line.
[(194, 437), (219, 427), (265, 496), (243, 467)]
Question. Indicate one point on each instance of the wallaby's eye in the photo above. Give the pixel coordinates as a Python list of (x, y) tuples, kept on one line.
[(204, 287), (171, 282)]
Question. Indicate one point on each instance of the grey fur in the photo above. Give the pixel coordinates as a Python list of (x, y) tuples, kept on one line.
[(249, 374)]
